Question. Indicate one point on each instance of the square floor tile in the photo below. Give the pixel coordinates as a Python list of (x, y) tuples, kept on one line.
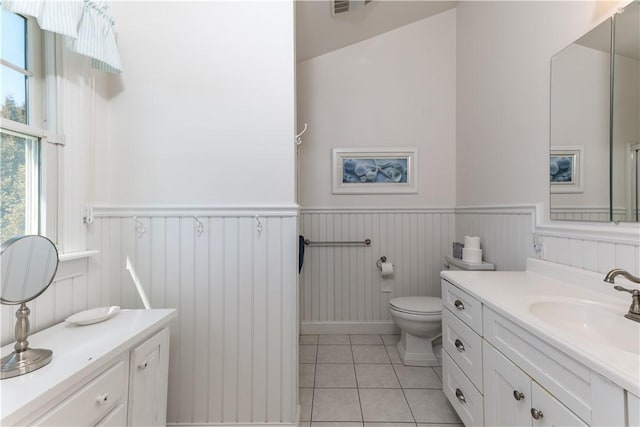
[(336, 404), (384, 405), (305, 396), (376, 375), (431, 406), (417, 377), (306, 374), (392, 350), (336, 424), (391, 339), (334, 339), (370, 354), (389, 424), (308, 339), (365, 339), (304, 424), (437, 350), (440, 425), (438, 370), (335, 375), (334, 354), (307, 353)]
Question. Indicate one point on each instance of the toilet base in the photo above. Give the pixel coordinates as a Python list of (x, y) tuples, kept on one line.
[(417, 351)]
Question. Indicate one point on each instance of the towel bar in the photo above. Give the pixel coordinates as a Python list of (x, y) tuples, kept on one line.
[(366, 242)]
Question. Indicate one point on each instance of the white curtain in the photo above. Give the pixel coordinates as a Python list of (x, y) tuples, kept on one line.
[(87, 25)]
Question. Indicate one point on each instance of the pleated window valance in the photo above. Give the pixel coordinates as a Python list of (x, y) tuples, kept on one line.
[(87, 25)]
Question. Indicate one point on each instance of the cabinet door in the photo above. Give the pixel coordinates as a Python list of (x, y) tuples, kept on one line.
[(553, 413), (148, 381), (507, 391)]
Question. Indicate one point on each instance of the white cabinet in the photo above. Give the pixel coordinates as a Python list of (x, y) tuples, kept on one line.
[(112, 373), (512, 398), (149, 370)]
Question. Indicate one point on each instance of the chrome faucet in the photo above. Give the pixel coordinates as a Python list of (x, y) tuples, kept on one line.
[(634, 309)]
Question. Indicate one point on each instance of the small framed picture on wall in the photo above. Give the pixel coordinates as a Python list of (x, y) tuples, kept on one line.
[(566, 165)]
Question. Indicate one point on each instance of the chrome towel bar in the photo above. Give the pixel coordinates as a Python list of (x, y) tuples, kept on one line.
[(366, 242)]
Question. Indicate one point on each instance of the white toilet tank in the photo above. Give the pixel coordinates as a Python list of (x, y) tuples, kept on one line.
[(451, 263)]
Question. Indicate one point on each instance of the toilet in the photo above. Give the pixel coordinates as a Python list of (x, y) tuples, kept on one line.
[(420, 320)]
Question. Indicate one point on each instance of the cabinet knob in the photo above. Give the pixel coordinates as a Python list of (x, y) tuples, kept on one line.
[(103, 398), (459, 345), (460, 396), (518, 395), (143, 365), (459, 305), (536, 414)]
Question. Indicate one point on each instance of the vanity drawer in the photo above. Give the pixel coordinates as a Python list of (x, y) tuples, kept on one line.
[(464, 306), (93, 401), (464, 347), (565, 378), (464, 397)]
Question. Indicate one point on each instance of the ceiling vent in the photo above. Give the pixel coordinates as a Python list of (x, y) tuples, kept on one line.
[(341, 6)]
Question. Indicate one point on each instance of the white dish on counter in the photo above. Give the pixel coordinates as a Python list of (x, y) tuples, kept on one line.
[(93, 315)]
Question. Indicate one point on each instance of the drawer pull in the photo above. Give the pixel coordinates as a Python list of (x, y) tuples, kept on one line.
[(143, 365), (536, 414), (103, 398), (518, 395), (459, 345), (459, 305), (462, 399)]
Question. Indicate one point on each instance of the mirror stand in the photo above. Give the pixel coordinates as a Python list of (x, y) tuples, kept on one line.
[(24, 359)]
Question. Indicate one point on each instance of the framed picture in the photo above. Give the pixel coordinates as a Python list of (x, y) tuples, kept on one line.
[(374, 170), (566, 166)]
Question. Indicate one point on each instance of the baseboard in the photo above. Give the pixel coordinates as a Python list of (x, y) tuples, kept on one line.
[(312, 328)]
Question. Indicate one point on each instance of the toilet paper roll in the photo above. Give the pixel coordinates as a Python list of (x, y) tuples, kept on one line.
[(387, 269), (472, 242), (472, 255)]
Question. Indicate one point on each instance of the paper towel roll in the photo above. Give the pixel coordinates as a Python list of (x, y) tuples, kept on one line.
[(472, 242), (387, 269), (472, 255)]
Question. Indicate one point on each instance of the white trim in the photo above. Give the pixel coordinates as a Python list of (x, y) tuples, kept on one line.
[(322, 210), (71, 256), (163, 210), (377, 327)]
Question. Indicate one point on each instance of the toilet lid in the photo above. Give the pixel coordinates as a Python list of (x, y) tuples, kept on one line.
[(417, 305)]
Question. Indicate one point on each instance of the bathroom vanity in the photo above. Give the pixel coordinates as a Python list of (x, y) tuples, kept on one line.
[(111, 373), (547, 346)]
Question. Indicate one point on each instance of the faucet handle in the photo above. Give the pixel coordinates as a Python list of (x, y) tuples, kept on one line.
[(633, 292)]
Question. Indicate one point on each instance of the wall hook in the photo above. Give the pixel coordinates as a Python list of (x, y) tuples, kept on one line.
[(299, 136), (139, 226), (200, 226), (259, 226)]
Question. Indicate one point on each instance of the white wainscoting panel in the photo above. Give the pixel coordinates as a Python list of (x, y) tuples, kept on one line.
[(73, 290), (506, 233), (342, 285), (587, 213), (233, 356)]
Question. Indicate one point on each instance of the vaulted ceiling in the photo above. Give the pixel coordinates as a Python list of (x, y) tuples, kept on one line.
[(319, 32)]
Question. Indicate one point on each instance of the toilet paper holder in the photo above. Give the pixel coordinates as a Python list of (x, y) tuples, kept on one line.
[(380, 261)]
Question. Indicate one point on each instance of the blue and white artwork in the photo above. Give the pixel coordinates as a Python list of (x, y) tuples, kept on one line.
[(380, 170), (561, 169)]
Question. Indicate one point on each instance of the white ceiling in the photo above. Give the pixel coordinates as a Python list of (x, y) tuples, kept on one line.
[(319, 32)]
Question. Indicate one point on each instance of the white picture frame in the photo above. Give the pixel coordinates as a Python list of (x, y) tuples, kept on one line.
[(391, 170), (566, 169)]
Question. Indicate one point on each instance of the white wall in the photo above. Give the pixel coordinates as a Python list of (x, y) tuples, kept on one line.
[(204, 109), (503, 59), (396, 89)]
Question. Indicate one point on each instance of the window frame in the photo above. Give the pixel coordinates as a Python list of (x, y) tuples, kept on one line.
[(40, 97)]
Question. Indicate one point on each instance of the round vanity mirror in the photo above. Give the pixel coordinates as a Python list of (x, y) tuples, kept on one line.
[(28, 265)]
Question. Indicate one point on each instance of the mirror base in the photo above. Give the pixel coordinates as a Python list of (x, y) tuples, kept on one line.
[(16, 364)]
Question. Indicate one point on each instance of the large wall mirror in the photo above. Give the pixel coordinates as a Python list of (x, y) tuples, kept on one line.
[(595, 123)]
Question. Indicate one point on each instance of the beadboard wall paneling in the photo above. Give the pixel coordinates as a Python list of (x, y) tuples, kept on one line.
[(343, 284), (600, 214), (73, 290), (506, 233), (234, 344)]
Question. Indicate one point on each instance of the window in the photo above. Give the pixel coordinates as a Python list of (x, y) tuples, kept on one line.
[(21, 133)]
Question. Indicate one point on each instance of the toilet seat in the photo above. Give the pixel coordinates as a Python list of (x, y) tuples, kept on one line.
[(417, 305)]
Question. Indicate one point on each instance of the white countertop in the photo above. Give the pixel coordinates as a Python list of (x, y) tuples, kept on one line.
[(77, 351), (511, 293)]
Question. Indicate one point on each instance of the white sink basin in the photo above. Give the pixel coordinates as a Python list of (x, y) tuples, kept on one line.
[(597, 322)]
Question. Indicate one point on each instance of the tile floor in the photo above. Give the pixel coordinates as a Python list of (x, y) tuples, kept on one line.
[(359, 381)]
